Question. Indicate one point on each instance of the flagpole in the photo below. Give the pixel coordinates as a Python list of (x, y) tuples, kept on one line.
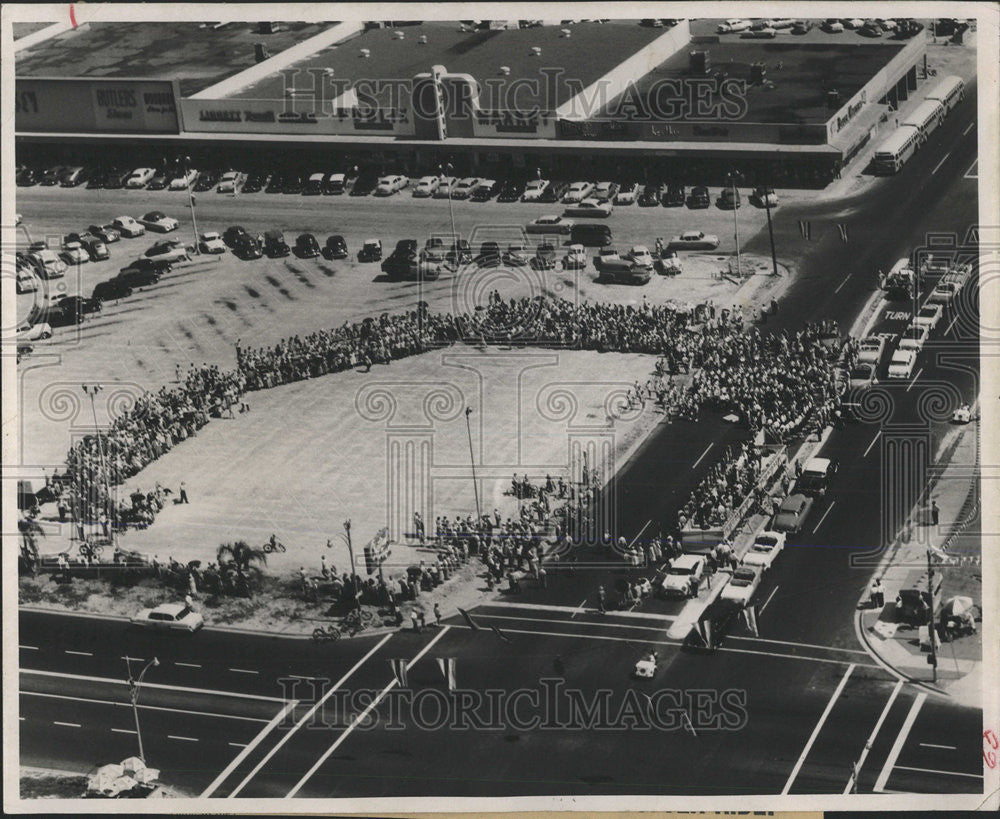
[(472, 461)]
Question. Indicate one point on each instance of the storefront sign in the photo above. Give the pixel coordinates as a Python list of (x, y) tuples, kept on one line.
[(95, 105)]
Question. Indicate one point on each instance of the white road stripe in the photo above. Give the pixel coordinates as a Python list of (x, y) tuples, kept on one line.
[(800, 645), (643, 529), (122, 731), (146, 707), (951, 324), (68, 724), (897, 747), (29, 648), (703, 454), (78, 653), (243, 671), (827, 512), (768, 599), (914, 381), (237, 744), (943, 158), (877, 434), (816, 730), (874, 733), (183, 739), (306, 717), (932, 745), (188, 665), (644, 615), (934, 771), (112, 681), (360, 717), (601, 624), (837, 290), (969, 127)]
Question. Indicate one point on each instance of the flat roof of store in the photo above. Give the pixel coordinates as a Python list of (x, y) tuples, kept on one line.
[(196, 54), (801, 73), (24, 29), (591, 50)]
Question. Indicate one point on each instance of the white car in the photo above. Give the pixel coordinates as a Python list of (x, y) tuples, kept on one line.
[(901, 365), (833, 26), (742, 585), (211, 243), (914, 337), (140, 177), (74, 253), (871, 349), (33, 332), (127, 227), (640, 255), (534, 189), (183, 181), (607, 254), (426, 186), (517, 254), (445, 186), (169, 617), (231, 182), (732, 25), (549, 224), (168, 250), (577, 192), (929, 315), (158, 221), (627, 193), (604, 191), (765, 550), (862, 377), (767, 33), (782, 23), (575, 258), (589, 207), (944, 292), (388, 185), (852, 22), (693, 240), (465, 187), (684, 576)]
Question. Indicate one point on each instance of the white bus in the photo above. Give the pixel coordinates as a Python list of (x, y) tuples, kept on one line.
[(900, 145), (948, 91), (926, 117)]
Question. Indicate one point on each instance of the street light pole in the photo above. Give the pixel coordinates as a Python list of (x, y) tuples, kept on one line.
[(472, 460), (770, 230), (133, 690), (91, 390), (736, 222), (451, 208), (350, 551), (194, 220), (931, 634)]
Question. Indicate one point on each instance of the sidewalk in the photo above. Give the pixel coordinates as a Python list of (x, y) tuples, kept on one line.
[(898, 645)]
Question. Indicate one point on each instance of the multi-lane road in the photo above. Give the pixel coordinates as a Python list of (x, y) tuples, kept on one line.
[(796, 709)]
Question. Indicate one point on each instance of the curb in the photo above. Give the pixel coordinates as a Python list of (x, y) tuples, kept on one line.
[(878, 658)]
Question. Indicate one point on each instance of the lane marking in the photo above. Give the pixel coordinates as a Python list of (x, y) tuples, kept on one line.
[(580, 607), (602, 624), (183, 739), (871, 738), (243, 671), (935, 771), (162, 686), (703, 454), (816, 730), (643, 529), (237, 744), (147, 707), (360, 717), (68, 724), (122, 731), (968, 128), (837, 290), (247, 749), (877, 434), (29, 648), (188, 665), (134, 659), (932, 745), (951, 324), (78, 653), (643, 615), (801, 645), (768, 599), (941, 162), (827, 512), (897, 747), (914, 381), (308, 715)]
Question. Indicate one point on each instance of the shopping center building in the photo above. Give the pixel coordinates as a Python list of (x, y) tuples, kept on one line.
[(568, 98)]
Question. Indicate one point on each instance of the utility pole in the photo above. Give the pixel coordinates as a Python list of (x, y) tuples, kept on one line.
[(194, 221), (932, 635), (472, 461), (736, 221), (350, 551), (770, 230), (133, 691), (91, 390), (451, 208)]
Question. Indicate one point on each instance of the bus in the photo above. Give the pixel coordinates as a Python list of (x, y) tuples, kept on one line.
[(926, 117), (900, 145), (949, 91)]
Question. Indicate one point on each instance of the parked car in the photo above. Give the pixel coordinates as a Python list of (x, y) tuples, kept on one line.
[(577, 192), (206, 181), (26, 331), (590, 234), (511, 191), (234, 234), (255, 182), (51, 176), (604, 191), (106, 234), (388, 185), (211, 243), (729, 198), (159, 221), (741, 586), (673, 197), (26, 177), (534, 189), (650, 196), (640, 255), (699, 198), (549, 224), (116, 178), (293, 184), (683, 577), (25, 279), (74, 253), (127, 227), (72, 176), (732, 26), (72, 309), (792, 513), (171, 250), (306, 246), (371, 251), (140, 177), (765, 550), (832, 26), (517, 254), (554, 192), (275, 183), (766, 33), (169, 617), (575, 258), (489, 255), (161, 178), (465, 187), (871, 349), (403, 262), (143, 272), (231, 182), (116, 288), (445, 187), (335, 184), (460, 252), (335, 247), (275, 245), (816, 476), (314, 184), (627, 192), (545, 257), (902, 363), (589, 208), (486, 189), (764, 197), (426, 186), (96, 249), (693, 240), (248, 247), (47, 264)]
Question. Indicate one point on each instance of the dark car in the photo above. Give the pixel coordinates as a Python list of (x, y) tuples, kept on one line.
[(276, 184), (293, 184), (306, 246), (590, 234), (366, 182), (460, 252), (52, 176), (275, 244), (95, 247), (674, 197), (554, 192), (159, 181), (26, 177), (510, 191), (729, 199), (144, 272), (650, 196), (206, 180), (403, 259), (96, 177), (116, 288), (255, 182), (314, 185), (72, 309), (699, 198), (486, 192), (233, 235), (371, 251), (105, 234), (115, 178), (333, 185), (489, 255), (247, 247), (545, 257), (335, 247)]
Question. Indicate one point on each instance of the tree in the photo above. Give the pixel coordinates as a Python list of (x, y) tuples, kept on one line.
[(242, 555)]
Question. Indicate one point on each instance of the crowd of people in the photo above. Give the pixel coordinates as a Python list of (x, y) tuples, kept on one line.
[(729, 481)]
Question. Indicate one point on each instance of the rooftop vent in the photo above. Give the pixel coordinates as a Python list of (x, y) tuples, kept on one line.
[(565, 32), (505, 70), (366, 53), (398, 35), (536, 51), (422, 39)]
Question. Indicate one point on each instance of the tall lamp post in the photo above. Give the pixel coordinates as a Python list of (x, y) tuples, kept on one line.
[(194, 220), (732, 176), (451, 208), (931, 633), (350, 551), (770, 230), (472, 461), (91, 390), (133, 691)]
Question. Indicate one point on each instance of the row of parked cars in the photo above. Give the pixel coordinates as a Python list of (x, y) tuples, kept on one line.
[(767, 28)]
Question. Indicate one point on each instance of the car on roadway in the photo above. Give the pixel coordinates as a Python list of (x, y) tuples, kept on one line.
[(275, 245), (170, 250), (140, 177), (944, 292), (902, 363), (741, 586), (550, 225), (862, 376), (158, 221), (256, 182), (693, 240), (335, 184), (231, 182), (511, 190), (627, 191), (766, 33), (640, 255), (169, 617), (589, 208), (446, 187), (426, 186), (929, 315), (486, 189), (335, 247), (517, 254), (792, 513), (73, 253), (534, 189), (106, 234), (127, 227), (764, 550), (314, 184), (604, 191), (465, 187), (815, 478), (699, 198), (159, 181), (183, 180), (914, 337), (307, 246), (211, 243), (388, 185), (26, 331), (143, 272), (871, 349), (683, 577)]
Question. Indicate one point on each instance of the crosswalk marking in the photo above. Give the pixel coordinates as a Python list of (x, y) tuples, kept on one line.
[(644, 615), (897, 747)]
